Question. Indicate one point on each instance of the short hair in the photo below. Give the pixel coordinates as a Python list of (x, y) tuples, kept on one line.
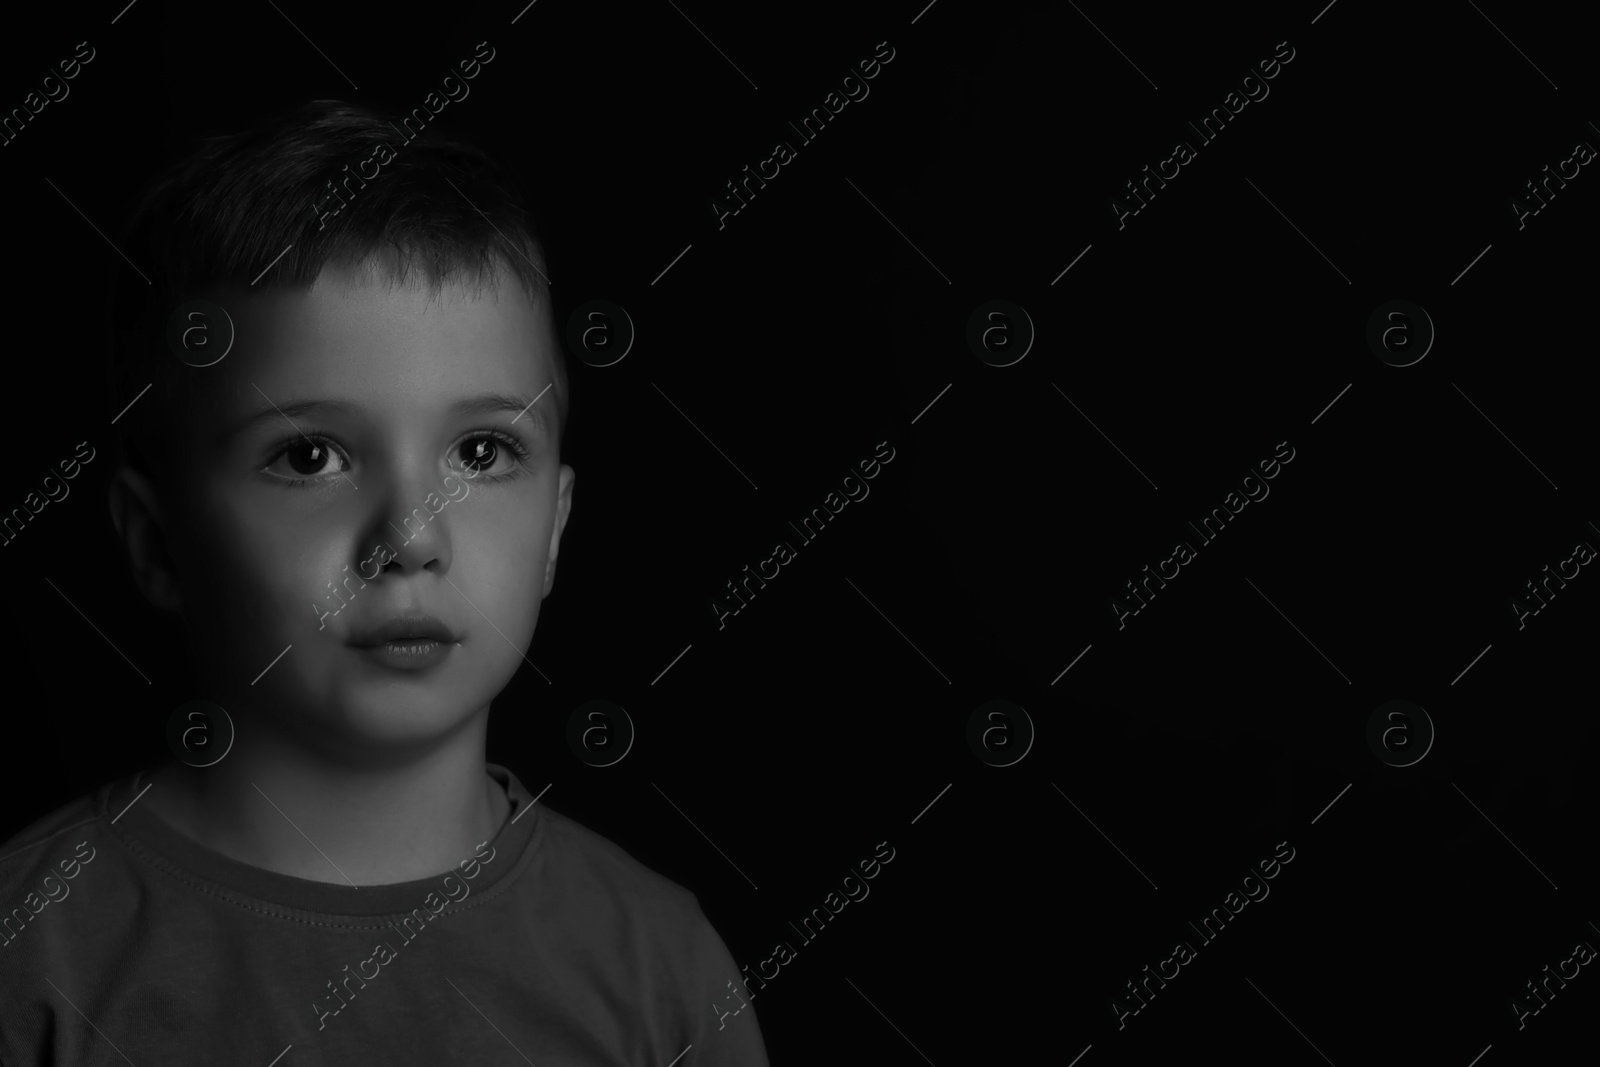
[(226, 211)]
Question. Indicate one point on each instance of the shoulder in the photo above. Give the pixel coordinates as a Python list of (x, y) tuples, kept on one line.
[(55, 846), (650, 933), (577, 856), (584, 869)]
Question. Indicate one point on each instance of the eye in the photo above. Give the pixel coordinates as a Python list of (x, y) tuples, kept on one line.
[(308, 456), (490, 455), (479, 454)]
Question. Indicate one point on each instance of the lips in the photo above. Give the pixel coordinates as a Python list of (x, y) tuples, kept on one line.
[(405, 628)]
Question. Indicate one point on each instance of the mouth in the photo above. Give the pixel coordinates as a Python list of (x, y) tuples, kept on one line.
[(405, 632), (410, 654), (410, 642)]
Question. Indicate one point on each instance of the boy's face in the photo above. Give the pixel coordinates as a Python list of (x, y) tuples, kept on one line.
[(269, 518)]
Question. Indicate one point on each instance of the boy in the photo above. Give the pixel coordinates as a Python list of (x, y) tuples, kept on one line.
[(347, 481)]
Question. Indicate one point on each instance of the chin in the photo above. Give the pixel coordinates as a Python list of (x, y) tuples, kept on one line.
[(399, 714)]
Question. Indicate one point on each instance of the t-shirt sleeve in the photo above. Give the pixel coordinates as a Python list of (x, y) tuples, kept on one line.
[(724, 1033)]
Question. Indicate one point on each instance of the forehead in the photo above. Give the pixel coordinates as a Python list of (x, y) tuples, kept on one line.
[(395, 347)]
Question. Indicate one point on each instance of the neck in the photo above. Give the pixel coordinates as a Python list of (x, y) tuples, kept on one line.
[(274, 804)]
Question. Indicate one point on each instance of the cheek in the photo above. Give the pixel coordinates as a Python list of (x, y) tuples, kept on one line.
[(264, 566), (498, 556)]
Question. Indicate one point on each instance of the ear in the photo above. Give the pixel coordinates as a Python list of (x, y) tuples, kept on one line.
[(563, 509), (141, 524)]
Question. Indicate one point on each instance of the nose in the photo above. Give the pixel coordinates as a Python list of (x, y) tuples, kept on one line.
[(412, 522)]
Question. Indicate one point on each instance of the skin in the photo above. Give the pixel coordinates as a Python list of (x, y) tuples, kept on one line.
[(382, 769)]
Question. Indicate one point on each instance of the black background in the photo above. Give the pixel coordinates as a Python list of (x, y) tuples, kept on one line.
[(828, 714)]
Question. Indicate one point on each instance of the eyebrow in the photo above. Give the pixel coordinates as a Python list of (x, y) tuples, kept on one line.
[(480, 404)]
